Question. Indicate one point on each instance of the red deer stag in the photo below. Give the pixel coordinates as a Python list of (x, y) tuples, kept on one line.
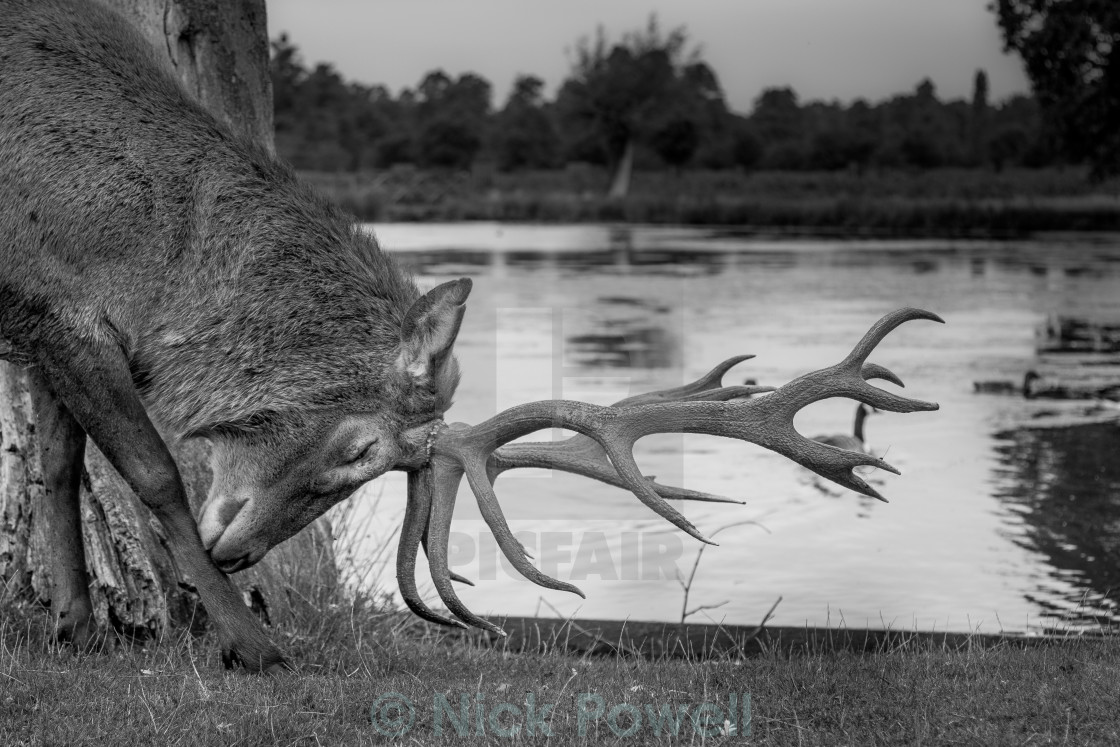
[(163, 277)]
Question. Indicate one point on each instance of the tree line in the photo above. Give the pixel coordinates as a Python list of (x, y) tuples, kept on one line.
[(1071, 53), (647, 98)]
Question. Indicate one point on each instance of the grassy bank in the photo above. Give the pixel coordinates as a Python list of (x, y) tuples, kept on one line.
[(934, 203), (916, 690)]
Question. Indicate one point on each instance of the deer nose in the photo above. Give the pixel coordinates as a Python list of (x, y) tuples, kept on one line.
[(217, 514)]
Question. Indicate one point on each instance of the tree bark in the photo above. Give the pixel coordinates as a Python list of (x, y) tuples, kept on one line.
[(219, 50)]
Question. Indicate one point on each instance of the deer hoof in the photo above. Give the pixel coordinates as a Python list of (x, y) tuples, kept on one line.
[(257, 659)]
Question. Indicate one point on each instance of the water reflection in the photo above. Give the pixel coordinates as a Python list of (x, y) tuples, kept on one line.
[(991, 532), (1063, 485), (621, 332), (714, 252), (446, 262)]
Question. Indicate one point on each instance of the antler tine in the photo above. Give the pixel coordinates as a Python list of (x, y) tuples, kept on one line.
[(601, 423), (496, 520), (875, 371), (849, 377), (424, 543), (414, 528), (474, 466), (621, 456), (454, 576), (726, 393), (709, 381), (446, 475), (880, 329), (582, 455)]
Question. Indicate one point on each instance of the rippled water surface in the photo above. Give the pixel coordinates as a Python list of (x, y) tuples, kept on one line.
[(1006, 516)]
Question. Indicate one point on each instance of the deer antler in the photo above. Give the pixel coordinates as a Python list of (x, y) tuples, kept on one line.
[(582, 455), (578, 454), (701, 407)]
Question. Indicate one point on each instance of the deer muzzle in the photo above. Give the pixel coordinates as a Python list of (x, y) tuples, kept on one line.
[(221, 525)]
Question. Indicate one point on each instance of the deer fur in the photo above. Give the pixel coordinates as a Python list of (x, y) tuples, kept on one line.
[(166, 278)]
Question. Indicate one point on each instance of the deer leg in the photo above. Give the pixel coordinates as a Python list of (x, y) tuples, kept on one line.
[(62, 445), (95, 384)]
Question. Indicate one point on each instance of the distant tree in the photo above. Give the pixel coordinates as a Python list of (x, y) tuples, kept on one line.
[(466, 98), (646, 96), (865, 127), (331, 124), (839, 148), (920, 150), (432, 90), (323, 122), (747, 149), (1071, 51), (448, 143), (978, 124), (621, 94), (779, 123), (470, 97), (919, 131), (287, 73), (452, 117), (676, 141), (524, 136), (702, 101), (1009, 145), (827, 128), (1022, 113), (776, 116), (395, 148)]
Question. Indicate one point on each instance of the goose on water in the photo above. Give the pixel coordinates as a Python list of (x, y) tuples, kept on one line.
[(855, 440)]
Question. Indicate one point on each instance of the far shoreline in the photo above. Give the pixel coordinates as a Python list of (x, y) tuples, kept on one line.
[(697, 641), (938, 204), (794, 233)]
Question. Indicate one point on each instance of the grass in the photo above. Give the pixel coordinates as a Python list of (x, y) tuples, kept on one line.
[(948, 202), (352, 652), (349, 654)]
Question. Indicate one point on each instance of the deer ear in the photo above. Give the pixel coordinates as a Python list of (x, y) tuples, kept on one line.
[(429, 329)]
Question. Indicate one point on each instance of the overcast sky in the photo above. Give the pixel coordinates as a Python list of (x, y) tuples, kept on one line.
[(824, 49)]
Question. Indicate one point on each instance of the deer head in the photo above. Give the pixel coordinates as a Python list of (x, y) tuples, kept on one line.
[(276, 477)]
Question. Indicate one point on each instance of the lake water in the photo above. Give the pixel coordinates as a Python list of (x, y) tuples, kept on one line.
[(1006, 516)]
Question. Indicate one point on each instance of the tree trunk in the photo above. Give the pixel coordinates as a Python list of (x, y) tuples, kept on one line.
[(219, 50), (620, 181)]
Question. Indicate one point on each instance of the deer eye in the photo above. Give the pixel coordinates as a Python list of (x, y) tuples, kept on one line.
[(362, 453)]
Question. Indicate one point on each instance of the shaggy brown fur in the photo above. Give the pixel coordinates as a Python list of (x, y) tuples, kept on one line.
[(156, 267), (127, 213)]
